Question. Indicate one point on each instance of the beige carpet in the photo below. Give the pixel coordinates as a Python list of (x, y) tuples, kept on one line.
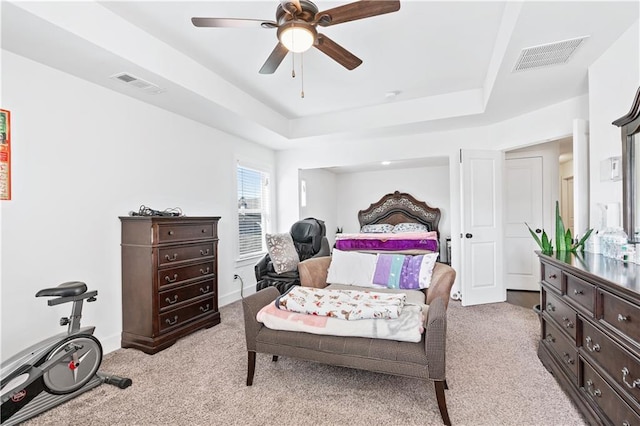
[(494, 377)]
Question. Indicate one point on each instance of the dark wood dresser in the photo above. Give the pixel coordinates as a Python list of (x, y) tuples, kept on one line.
[(169, 279), (590, 320)]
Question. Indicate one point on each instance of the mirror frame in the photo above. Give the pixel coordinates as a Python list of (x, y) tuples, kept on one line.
[(629, 127)]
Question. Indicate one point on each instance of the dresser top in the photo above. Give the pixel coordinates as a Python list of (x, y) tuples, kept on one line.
[(169, 218), (607, 271)]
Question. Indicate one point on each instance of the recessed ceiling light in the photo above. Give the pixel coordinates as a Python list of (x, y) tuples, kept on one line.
[(386, 163), (392, 94)]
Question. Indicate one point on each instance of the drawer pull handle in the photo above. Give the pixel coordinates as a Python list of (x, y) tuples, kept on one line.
[(550, 307), (591, 347), (204, 230), (170, 232), (204, 308), (553, 276), (636, 382), (172, 258), (577, 292), (169, 280), (567, 322), (568, 357), (204, 252), (204, 271), (171, 302), (622, 318), (204, 290), (596, 392), (174, 322), (550, 338)]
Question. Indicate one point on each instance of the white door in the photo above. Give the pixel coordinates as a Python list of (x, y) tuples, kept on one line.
[(523, 204), (481, 230)]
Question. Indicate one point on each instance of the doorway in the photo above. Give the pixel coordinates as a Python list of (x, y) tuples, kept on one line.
[(540, 175)]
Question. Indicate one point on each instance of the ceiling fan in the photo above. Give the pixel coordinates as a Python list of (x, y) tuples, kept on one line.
[(296, 22)]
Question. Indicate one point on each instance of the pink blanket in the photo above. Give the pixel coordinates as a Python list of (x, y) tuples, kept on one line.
[(408, 327)]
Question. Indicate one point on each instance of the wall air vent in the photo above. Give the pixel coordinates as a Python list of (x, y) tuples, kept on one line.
[(549, 54), (138, 83)]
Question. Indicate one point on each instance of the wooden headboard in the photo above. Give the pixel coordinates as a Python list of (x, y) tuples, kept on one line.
[(400, 207)]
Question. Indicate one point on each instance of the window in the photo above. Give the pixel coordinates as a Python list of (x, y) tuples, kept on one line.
[(253, 211)]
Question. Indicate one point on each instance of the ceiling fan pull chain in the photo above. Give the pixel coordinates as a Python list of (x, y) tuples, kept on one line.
[(293, 65), (302, 75)]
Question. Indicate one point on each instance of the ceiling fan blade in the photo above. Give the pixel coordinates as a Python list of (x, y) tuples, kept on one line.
[(288, 4), (233, 23), (337, 52), (356, 10), (274, 60)]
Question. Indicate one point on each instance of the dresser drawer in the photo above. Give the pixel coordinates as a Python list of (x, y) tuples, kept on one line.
[(552, 276), (612, 358), (562, 313), (581, 293), (178, 254), (564, 349), (180, 295), (606, 398), (171, 232), (174, 276), (180, 316), (621, 315)]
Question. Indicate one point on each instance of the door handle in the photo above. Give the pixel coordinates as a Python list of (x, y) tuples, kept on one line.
[(538, 230), (468, 235)]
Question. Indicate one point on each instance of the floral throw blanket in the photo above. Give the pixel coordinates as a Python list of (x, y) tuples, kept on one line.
[(342, 304)]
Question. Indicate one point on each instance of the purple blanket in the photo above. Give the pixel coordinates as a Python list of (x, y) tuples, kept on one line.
[(388, 245)]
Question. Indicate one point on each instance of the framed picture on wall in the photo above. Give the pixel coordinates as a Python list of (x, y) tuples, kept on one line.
[(5, 155)]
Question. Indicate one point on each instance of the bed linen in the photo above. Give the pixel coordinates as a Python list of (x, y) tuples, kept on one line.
[(349, 305), (408, 327), (427, 241)]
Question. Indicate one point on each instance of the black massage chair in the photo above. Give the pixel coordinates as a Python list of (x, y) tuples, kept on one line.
[(309, 238)]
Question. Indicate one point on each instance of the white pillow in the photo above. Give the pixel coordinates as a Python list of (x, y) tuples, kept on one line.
[(282, 252), (410, 227), (352, 268), (426, 269), (377, 228)]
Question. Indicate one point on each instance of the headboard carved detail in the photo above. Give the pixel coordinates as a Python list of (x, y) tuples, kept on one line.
[(399, 207)]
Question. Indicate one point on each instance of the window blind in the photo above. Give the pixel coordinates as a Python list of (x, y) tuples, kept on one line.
[(253, 210)]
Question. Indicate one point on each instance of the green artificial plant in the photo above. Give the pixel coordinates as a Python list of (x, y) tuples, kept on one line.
[(564, 239)]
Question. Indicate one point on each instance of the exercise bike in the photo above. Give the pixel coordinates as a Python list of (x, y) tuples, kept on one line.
[(56, 369)]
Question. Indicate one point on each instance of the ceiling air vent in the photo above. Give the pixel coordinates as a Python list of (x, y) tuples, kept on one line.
[(546, 55), (138, 83)]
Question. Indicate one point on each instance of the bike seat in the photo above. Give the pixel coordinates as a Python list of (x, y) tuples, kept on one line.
[(70, 288)]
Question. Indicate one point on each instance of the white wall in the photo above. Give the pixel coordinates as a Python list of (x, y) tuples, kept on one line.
[(613, 82), (321, 200), (544, 125), (356, 191), (82, 156)]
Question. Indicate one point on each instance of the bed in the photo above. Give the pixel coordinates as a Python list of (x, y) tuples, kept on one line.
[(422, 358), (396, 223)]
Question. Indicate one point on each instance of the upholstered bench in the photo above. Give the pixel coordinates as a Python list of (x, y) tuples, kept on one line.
[(423, 360)]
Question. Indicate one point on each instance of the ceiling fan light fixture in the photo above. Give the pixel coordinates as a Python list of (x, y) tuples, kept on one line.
[(297, 36)]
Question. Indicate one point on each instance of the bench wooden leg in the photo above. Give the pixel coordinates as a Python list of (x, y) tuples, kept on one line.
[(442, 402), (251, 367)]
